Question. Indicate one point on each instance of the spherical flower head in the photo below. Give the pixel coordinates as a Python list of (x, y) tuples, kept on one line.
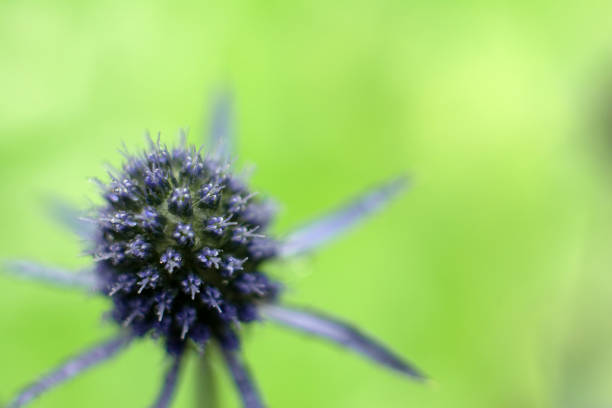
[(180, 243)]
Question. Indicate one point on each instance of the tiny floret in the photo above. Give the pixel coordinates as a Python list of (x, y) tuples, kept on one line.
[(210, 194), (184, 235), (180, 201), (218, 225), (150, 220), (231, 266), (148, 279), (171, 260), (209, 257)]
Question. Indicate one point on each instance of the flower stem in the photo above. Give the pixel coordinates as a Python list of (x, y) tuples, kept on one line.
[(206, 395)]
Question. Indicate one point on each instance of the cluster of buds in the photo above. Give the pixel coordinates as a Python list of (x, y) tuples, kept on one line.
[(179, 248)]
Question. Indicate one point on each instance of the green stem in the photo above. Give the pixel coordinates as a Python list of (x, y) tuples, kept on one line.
[(206, 393)]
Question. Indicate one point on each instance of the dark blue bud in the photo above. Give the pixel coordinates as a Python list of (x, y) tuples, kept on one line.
[(139, 248), (251, 284), (150, 220), (123, 283), (209, 257), (162, 327), (141, 326), (160, 157), (179, 202), (121, 309), (258, 214), (163, 303), (157, 184), (185, 319), (114, 253), (119, 222), (123, 193), (242, 235), (184, 235), (247, 312), (192, 166), (235, 184), (179, 154), (212, 298), (191, 285), (199, 333), (229, 313), (139, 307), (171, 260), (237, 204), (148, 279), (217, 225), (231, 265), (134, 167), (262, 248), (210, 194)]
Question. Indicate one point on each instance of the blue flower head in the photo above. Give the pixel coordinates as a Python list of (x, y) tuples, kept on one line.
[(180, 248)]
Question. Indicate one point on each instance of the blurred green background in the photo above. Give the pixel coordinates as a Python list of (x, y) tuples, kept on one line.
[(492, 274)]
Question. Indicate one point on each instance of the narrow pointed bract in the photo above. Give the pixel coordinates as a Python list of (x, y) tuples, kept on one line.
[(244, 383), (169, 387), (71, 368), (32, 270), (338, 332), (329, 227), (220, 135)]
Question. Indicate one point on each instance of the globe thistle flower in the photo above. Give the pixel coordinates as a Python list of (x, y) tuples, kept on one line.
[(179, 248)]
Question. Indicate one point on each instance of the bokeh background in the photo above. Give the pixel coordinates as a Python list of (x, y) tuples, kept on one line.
[(492, 273)]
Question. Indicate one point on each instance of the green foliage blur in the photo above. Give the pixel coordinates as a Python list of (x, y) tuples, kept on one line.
[(492, 274)]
